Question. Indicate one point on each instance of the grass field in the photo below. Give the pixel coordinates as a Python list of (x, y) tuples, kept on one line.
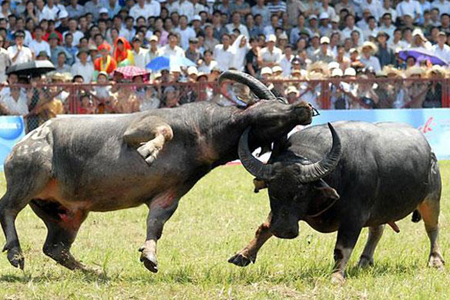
[(216, 219)]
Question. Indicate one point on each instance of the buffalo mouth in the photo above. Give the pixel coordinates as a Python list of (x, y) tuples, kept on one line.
[(284, 231)]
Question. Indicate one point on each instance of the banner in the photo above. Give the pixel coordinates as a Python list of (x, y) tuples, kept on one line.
[(12, 129), (434, 123)]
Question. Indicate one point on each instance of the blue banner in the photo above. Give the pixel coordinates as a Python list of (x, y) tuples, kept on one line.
[(434, 123), (12, 129)]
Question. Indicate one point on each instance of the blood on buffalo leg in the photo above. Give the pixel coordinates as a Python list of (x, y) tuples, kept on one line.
[(346, 239), (161, 209), (374, 237), (62, 231), (249, 253), (148, 135)]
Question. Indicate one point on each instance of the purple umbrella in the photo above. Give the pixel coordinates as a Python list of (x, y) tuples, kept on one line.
[(421, 54)]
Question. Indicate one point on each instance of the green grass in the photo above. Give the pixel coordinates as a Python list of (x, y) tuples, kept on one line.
[(216, 219)]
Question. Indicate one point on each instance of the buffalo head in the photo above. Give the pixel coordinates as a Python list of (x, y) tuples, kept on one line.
[(269, 116), (296, 187)]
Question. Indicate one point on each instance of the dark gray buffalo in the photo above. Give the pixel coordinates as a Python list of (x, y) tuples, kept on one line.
[(380, 174), (71, 166)]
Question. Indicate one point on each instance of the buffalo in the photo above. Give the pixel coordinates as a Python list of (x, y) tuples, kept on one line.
[(344, 178), (71, 166)]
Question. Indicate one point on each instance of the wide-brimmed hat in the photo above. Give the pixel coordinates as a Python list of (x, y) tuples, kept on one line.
[(414, 70), (58, 76), (390, 70), (276, 69), (201, 74), (192, 71), (419, 33), (438, 70), (266, 70), (319, 67), (314, 75), (370, 45)]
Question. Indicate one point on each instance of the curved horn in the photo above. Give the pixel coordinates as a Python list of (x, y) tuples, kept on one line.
[(250, 163), (256, 86), (322, 168)]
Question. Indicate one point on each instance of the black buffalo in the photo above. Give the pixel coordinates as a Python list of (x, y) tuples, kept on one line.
[(379, 174), (71, 166)]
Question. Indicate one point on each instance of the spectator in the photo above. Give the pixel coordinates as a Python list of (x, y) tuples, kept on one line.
[(50, 11), (141, 55), (410, 8), (19, 53), (261, 9), (270, 55), (367, 58), (106, 62), (14, 102), (5, 61), (240, 48), (172, 48), (323, 53), (61, 66), (387, 26), (326, 8), (384, 54), (192, 52), (94, 7), (419, 40), (74, 9), (236, 24), (83, 67), (223, 53), (123, 55), (433, 97), (277, 7), (350, 27), (415, 90), (442, 49), (207, 63)]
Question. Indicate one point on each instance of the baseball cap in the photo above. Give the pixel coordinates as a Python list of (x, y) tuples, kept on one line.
[(271, 38), (324, 40)]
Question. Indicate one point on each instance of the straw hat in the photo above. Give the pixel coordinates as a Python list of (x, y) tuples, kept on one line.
[(371, 45), (438, 70), (419, 32), (58, 77), (415, 70), (276, 69), (390, 70), (314, 75), (192, 71), (292, 89), (319, 67)]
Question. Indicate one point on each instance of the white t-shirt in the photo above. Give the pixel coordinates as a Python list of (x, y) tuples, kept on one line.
[(87, 71), (274, 56), (185, 35), (37, 47), (15, 108), (142, 58), (25, 55), (443, 53), (167, 51), (223, 57)]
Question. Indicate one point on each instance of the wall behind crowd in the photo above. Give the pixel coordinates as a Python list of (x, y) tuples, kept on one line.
[(272, 40)]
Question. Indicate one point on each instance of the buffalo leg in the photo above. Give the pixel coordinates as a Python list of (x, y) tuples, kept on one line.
[(374, 237), (249, 253), (346, 240), (149, 136), (10, 206), (161, 209), (61, 234), (429, 210)]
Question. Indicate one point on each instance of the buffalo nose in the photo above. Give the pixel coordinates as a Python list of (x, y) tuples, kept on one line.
[(286, 234)]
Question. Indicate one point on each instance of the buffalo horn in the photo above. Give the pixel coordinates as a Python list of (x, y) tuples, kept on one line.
[(256, 86), (250, 163), (320, 169)]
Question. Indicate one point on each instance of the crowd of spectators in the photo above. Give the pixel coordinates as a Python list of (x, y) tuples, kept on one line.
[(272, 40)]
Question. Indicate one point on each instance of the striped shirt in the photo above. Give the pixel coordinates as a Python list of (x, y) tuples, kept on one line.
[(276, 7)]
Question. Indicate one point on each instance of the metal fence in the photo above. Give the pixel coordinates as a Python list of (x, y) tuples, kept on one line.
[(45, 100)]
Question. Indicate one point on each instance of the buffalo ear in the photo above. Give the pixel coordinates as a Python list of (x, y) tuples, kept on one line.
[(326, 197)]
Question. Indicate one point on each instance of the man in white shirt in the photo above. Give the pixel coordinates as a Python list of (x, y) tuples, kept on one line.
[(186, 32), (367, 58), (140, 9), (442, 5), (171, 48), (286, 61), (74, 9), (19, 53), (223, 54), (208, 62), (5, 61), (372, 29), (387, 8), (236, 24), (73, 29), (441, 49), (83, 67), (38, 44), (141, 56), (409, 7), (186, 8), (172, 5), (386, 24), (155, 7), (270, 55), (50, 11), (350, 26)]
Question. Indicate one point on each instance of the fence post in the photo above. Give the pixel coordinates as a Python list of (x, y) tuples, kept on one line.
[(325, 94)]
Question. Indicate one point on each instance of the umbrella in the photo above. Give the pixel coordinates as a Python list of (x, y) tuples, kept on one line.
[(129, 72), (421, 54), (36, 67), (167, 62)]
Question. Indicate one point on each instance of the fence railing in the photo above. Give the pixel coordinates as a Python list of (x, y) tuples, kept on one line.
[(45, 100)]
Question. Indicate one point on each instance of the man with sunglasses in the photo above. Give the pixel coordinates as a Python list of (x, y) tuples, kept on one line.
[(19, 53)]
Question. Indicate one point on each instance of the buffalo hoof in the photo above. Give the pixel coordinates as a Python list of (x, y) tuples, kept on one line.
[(241, 260), (16, 258), (436, 261), (149, 261), (365, 262), (337, 278)]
